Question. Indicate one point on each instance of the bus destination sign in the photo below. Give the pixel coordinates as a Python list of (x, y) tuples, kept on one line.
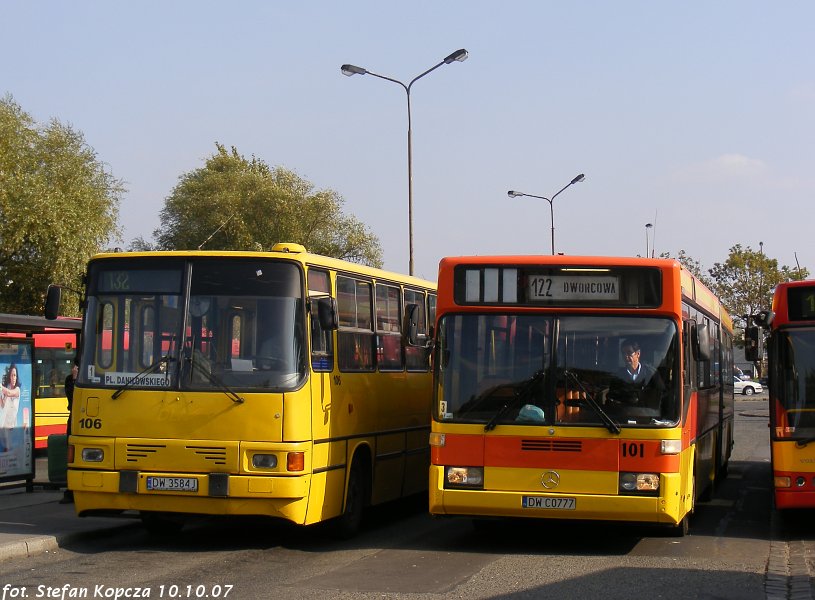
[(801, 303), (581, 288)]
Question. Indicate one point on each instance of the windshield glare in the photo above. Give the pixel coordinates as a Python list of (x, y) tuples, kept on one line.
[(571, 370), (241, 329)]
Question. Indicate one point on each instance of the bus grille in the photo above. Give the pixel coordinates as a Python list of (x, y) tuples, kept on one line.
[(552, 445), (190, 457)]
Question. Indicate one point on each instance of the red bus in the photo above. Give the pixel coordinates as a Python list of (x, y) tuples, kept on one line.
[(54, 353), (571, 387), (791, 361)]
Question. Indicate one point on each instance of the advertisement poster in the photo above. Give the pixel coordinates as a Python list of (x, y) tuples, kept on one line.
[(16, 410)]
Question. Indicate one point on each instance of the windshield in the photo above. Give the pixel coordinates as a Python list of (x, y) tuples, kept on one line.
[(793, 383), (242, 327), (547, 370)]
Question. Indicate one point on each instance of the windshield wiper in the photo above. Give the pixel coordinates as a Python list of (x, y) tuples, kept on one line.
[(215, 381), (610, 424), (524, 390), (150, 369)]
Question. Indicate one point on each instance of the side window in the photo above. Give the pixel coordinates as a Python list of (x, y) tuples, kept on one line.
[(104, 357), (235, 348), (355, 338), (322, 341), (148, 328), (431, 310), (417, 358), (388, 328)]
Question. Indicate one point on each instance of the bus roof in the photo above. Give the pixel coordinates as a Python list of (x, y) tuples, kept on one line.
[(287, 251), (691, 286), (797, 307), (10, 323)]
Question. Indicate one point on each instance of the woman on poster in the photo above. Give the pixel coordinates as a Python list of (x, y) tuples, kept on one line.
[(9, 406)]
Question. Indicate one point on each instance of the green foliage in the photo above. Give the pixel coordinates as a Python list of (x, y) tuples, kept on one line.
[(745, 281), (233, 203), (58, 206)]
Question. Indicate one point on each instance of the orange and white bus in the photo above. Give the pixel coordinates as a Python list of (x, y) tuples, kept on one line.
[(249, 383), (791, 362), (534, 411)]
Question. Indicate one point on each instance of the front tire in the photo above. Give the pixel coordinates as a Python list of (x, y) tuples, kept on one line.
[(348, 523), (748, 391)]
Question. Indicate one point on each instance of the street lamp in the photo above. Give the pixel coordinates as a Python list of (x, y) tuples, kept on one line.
[(647, 229), (514, 194), (349, 70)]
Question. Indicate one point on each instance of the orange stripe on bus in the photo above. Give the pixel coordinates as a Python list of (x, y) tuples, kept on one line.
[(555, 453)]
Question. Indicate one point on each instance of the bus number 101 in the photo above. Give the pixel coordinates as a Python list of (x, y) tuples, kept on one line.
[(633, 450)]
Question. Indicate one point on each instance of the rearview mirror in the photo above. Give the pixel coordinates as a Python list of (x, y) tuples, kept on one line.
[(701, 342), (327, 313), (411, 328), (52, 301), (752, 344)]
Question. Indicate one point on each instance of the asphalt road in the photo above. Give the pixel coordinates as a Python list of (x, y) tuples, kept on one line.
[(404, 553)]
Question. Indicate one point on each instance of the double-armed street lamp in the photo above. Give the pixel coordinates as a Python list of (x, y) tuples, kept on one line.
[(514, 194), (457, 56)]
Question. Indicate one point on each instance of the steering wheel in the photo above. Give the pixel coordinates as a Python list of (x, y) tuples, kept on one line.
[(270, 363)]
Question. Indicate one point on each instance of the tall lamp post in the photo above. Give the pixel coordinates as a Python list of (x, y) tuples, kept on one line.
[(647, 230), (349, 70), (514, 194)]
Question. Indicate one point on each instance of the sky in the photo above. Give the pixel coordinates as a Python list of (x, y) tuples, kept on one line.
[(697, 117)]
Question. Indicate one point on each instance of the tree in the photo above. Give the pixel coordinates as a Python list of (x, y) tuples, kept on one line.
[(233, 203), (744, 282), (58, 204)]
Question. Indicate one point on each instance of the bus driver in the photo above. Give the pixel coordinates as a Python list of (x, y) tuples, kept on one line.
[(637, 384)]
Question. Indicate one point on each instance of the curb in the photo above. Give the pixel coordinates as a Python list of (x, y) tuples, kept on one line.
[(34, 546)]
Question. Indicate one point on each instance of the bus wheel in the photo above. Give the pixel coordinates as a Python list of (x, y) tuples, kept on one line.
[(347, 524), (161, 523), (680, 530)]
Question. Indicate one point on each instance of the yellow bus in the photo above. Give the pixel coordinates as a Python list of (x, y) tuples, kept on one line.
[(570, 387), (249, 383)]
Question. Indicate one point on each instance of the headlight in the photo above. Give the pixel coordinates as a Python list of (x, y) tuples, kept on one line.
[(643, 483), (264, 461), (464, 477), (670, 446), (93, 454)]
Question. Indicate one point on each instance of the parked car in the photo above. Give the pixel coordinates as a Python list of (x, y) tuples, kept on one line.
[(748, 388)]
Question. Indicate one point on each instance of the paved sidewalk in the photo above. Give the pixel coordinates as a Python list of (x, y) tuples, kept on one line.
[(35, 522)]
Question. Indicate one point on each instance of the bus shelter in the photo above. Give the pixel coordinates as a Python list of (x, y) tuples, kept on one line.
[(18, 371)]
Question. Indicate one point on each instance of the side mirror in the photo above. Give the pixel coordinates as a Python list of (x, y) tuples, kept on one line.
[(411, 329), (701, 342), (752, 344), (327, 313), (763, 318), (52, 301)]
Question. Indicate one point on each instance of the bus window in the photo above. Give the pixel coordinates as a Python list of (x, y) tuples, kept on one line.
[(417, 358), (356, 336), (388, 329), (322, 340)]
